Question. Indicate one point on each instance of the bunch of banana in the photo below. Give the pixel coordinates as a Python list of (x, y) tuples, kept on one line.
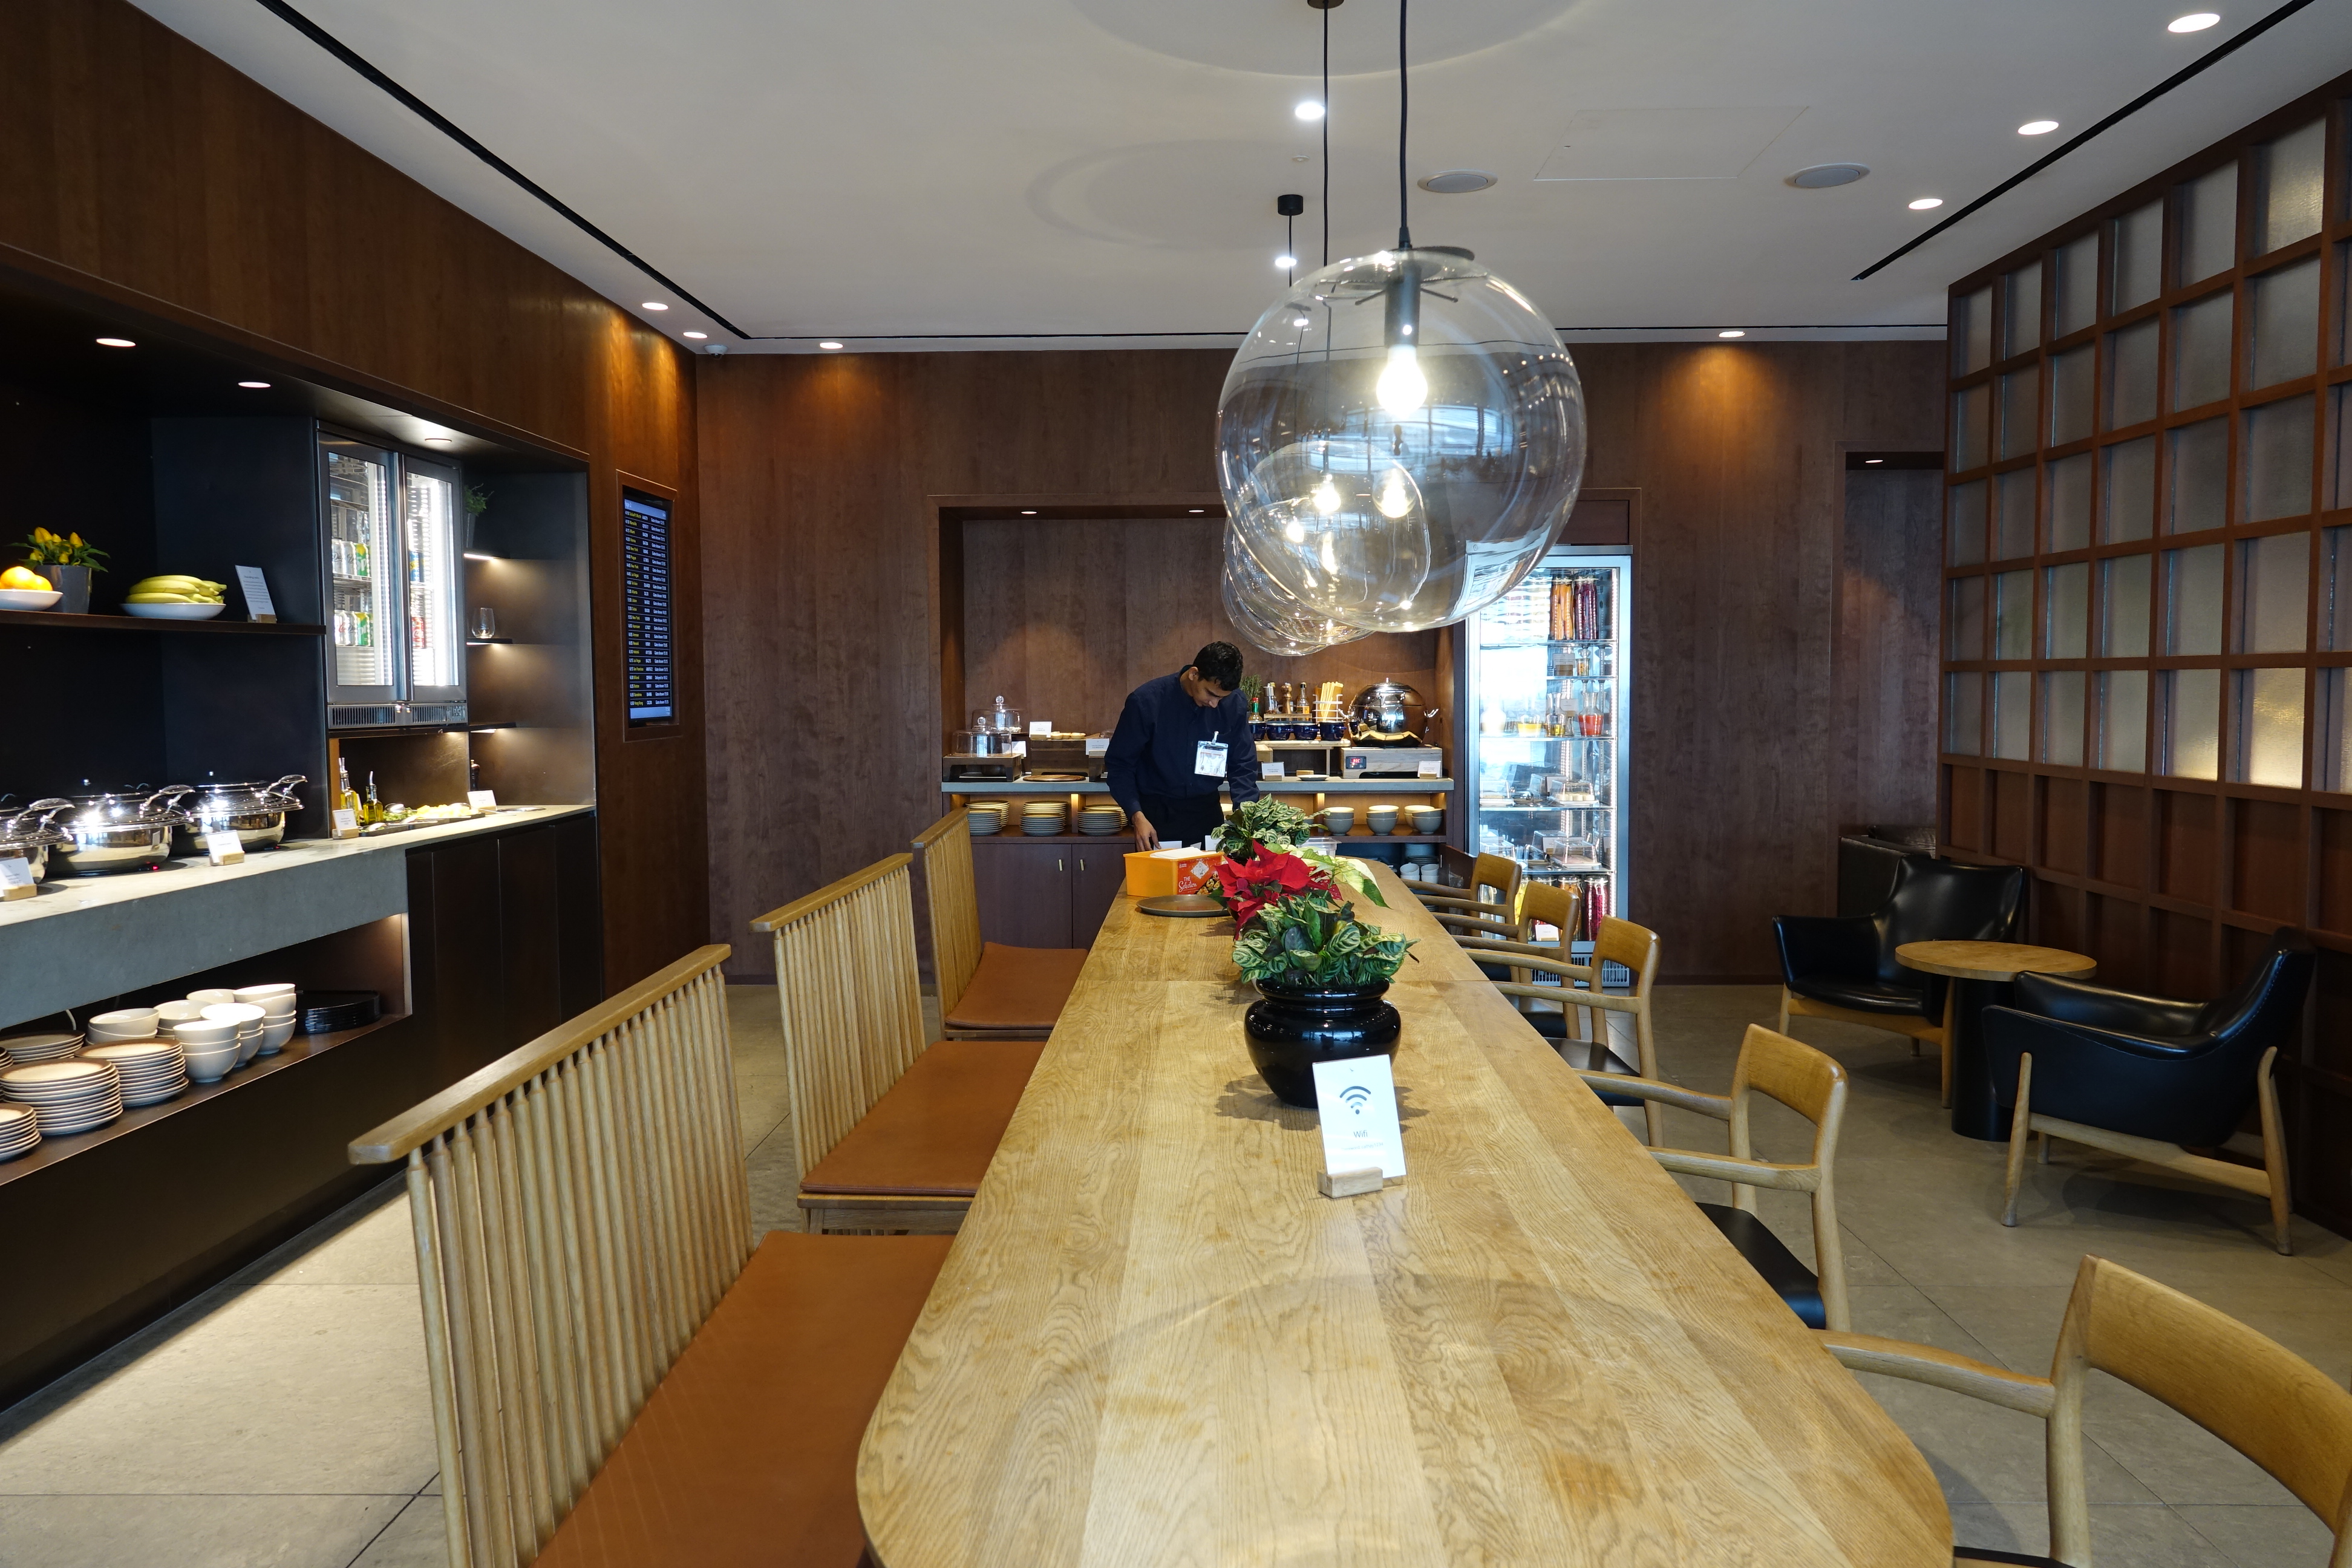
[(173, 588)]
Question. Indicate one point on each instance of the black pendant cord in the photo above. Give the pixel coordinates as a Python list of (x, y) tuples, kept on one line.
[(1290, 245), (1404, 119), (1326, 136)]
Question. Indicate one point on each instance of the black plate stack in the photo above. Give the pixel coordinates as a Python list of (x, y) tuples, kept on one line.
[(324, 1012)]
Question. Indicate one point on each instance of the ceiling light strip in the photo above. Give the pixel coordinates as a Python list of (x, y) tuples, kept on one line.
[(442, 123), (2211, 58)]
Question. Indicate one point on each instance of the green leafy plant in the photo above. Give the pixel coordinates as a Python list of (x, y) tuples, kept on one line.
[(477, 500), (1266, 824), (46, 549), (1253, 688), (1313, 938)]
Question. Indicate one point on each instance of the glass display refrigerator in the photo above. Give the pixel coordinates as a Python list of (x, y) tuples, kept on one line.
[(1545, 711), (395, 633)]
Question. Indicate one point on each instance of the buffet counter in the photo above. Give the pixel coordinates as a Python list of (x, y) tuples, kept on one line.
[(1390, 784), (92, 937)]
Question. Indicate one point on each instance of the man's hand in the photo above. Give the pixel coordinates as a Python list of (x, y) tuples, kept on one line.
[(1147, 838)]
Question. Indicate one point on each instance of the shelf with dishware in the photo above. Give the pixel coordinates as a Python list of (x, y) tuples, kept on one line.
[(56, 620)]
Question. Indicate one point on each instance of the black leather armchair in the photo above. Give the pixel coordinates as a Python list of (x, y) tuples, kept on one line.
[(1843, 966), (2150, 1076)]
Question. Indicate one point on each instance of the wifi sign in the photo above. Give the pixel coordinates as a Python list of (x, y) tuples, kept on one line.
[(1359, 1097), (1356, 1097)]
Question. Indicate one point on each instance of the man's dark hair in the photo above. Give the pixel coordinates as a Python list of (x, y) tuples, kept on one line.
[(1218, 664)]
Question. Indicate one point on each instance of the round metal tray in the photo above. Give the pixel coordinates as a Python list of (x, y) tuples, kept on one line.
[(1182, 906)]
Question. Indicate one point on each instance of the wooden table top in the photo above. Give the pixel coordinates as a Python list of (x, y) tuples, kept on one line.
[(1991, 960), (1155, 1343)]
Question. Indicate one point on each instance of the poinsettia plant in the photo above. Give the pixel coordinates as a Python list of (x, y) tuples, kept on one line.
[(1266, 825), (1312, 937), (1248, 886)]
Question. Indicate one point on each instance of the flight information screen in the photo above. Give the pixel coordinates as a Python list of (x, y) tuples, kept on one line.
[(646, 598)]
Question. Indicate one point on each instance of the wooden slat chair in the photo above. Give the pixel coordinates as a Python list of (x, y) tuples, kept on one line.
[(1813, 1086), (2253, 1393), (1579, 988), (891, 1135), (617, 1376), (1464, 911), (987, 991)]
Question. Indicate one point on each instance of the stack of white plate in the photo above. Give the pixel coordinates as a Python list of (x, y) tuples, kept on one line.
[(67, 1097), (984, 820), (123, 1024), (26, 1049), (1101, 820), (1041, 818), (20, 1132), (153, 1071)]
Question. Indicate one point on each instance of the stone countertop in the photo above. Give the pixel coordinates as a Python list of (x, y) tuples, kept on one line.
[(1392, 783), (83, 939)]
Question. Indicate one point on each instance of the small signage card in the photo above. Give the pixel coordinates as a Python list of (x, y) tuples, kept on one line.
[(347, 824), (1098, 746), (257, 606), (16, 878), (1270, 771), (1040, 729), (224, 848), (1428, 768), (482, 799), (1360, 1134)]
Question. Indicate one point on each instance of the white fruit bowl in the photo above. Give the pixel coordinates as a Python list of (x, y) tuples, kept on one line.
[(29, 598), (174, 612)]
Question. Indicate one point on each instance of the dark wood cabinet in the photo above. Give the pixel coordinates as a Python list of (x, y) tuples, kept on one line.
[(1047, 892)]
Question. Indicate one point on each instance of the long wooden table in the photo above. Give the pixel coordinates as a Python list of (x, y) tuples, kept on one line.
[(1155, 1343)]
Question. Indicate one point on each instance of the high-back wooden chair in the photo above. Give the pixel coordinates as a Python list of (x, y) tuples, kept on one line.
[(1467, 911), (1813, 1086), (2253, 1393), (1579, 1028), (988, 991), (890, 1134)]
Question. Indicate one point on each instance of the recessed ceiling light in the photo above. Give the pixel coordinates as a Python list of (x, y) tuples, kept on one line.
[(830, 343), (1298, 157), (1198, 510), (1927, 204), (1458, 181), (698, 337), (2195, 22), (1868, 460), (116, 343), (1823, 177), (1733, 333), (2037, 128), (1308, 110), (1028, 512), (440, 441), (1286, 262), (255, 386), (654, 305)]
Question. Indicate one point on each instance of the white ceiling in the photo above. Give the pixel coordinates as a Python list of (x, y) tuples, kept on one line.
[(933, 173)]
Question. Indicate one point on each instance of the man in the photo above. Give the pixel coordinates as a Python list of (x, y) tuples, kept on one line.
[(1181, 738)]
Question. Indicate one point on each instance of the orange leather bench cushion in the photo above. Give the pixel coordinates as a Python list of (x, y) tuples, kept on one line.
[(747, 1452), (1018, 987), (936, 1131)]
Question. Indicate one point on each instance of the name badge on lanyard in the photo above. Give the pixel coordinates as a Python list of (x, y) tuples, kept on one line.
[(1209, 759)]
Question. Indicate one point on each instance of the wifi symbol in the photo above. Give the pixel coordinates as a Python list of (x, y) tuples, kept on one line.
[(1357, 1096)]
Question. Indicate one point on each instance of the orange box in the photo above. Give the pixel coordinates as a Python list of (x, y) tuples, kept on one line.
[(1159, 873)]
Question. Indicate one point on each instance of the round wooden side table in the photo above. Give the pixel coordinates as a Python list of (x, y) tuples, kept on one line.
[(1981, 972)]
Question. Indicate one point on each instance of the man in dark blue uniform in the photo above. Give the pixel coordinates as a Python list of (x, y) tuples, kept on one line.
[(1181, 738)]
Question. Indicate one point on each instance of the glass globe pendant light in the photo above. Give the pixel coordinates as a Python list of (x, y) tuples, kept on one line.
[(1270, 619), (1402, 437)]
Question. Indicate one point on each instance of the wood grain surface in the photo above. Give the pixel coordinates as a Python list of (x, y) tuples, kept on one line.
[(1155, 1343), (1991, 960)]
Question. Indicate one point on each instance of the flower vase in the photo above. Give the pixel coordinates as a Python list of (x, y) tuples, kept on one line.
[(73, 581), (1291, 1027)]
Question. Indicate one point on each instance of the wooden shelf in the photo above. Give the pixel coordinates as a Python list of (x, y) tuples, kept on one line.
[(300, 1048), (58, 621)]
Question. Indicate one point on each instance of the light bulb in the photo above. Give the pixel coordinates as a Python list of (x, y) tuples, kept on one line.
[(1402, 389), (1326, 501), (1396, 499)]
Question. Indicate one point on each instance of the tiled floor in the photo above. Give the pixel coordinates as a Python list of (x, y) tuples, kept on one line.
[(282, 1419)]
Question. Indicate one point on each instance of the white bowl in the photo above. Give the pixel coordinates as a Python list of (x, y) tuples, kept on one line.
[(248, 1043), (274, 1035), (276, 998), (204, 1033), (174, 612), (206, 998), (123, 1017), (29, 598), (178, 1012), (211, 1067), (120, 1037), (237, 1013)]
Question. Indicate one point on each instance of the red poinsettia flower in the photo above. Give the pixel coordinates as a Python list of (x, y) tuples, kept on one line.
[(1248, 886)]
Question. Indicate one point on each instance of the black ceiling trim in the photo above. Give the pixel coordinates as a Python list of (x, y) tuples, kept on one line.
[(1244, 332), (441, 122), (2211, 58)]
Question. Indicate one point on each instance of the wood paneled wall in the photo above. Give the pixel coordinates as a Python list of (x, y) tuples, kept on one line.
[(144, 172), (1065, 617), (821, 576)]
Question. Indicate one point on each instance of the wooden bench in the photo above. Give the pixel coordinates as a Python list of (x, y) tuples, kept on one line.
[(617, 1376)]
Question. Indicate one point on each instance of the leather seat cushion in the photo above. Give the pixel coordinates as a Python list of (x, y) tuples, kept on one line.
[(1982, 1557), (1584, 1054), (746, 1452), (1862, 996), (1018, 987), (1790, 1279), (933, 1134)]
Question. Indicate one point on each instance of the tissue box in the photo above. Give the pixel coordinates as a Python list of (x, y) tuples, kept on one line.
[(1164, 872)]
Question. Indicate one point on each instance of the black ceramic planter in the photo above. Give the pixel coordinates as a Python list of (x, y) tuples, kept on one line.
[(1295, 1026)]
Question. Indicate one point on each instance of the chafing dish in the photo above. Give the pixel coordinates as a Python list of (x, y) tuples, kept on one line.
[(25, 836), (126, 831), (1391, 714), (257, 812)]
